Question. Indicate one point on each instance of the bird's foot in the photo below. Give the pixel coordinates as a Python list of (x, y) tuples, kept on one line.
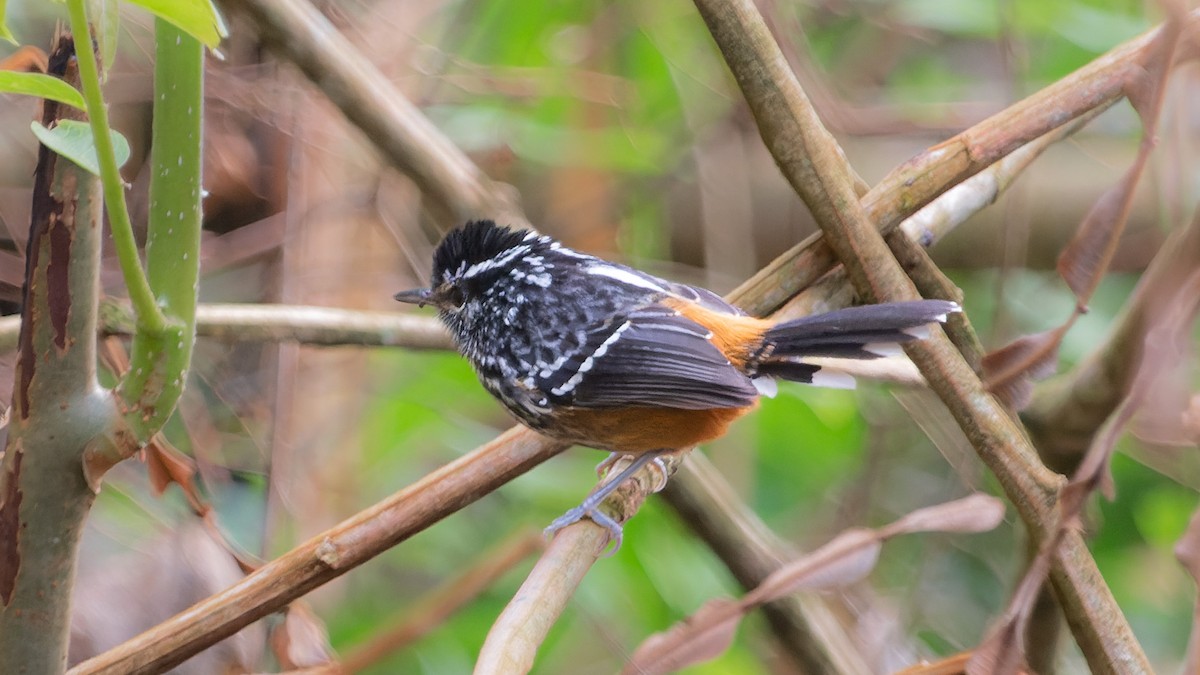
[(592, 511), (590, 508), (608, 462)]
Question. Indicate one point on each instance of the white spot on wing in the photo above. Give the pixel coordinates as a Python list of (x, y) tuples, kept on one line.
[(590, 361), (626, 277), (695, 329)]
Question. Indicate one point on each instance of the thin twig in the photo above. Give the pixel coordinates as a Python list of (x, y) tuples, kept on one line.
[(327, 326), (323, 326), (430, 611), (149, 315)]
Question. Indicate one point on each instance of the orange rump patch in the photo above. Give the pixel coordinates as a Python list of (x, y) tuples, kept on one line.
[(736, 336)]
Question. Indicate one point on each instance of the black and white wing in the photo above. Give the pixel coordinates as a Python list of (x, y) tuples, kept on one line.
[(638, 279), (654, 357)]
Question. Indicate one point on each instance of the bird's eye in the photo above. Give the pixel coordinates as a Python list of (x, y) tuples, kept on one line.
[(455, 297)]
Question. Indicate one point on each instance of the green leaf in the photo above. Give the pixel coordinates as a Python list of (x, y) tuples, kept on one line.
[(42, 86), (5, 33), (73, 140), (106, 18), (198, 18)]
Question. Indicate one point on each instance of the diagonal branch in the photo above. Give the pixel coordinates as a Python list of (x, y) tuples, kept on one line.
[(915, 183), (328, 555), (815, 166), (405, 137)]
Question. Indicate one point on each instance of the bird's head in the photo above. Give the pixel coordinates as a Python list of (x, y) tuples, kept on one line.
[(481, 272)]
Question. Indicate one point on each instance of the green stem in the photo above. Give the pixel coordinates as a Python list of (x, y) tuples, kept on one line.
[(150, 317), (159, 360)]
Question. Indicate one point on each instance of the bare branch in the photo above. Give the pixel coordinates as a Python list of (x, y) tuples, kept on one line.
[(328, 555), (915, 183), (328, 326), (514, 638)]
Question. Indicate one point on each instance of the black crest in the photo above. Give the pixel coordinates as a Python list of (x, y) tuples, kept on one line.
[(475, 242)]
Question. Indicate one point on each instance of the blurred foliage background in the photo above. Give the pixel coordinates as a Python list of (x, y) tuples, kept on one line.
[(621, 129)]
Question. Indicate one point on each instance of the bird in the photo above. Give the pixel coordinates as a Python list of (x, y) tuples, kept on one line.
[(599, 354)]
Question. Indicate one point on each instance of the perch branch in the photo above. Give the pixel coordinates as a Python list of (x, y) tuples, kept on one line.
[(328, 555)]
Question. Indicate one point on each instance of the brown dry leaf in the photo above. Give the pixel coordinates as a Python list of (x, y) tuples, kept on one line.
[(1086, 258), (301, 640), (702, 636), (1145, 90), (1165, 344), (1084, 261), (1009, 372), (1003, 651), (708, 633), (167, 465), (974, 513), (848, 558)]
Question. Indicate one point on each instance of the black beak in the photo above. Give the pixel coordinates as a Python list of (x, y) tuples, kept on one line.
[(417, 296)]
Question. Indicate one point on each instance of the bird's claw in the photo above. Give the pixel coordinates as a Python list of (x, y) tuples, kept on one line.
[(660, 464), (607, 463), (593, 512), (590, 506)]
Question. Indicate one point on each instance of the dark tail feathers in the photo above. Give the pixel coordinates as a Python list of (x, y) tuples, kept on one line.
[(865, 332)]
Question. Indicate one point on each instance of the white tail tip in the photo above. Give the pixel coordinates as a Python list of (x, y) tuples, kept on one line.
[(833, 380)]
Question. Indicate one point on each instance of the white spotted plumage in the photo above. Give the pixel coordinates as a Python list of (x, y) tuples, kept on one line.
[(548, 328), (590, 361)]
